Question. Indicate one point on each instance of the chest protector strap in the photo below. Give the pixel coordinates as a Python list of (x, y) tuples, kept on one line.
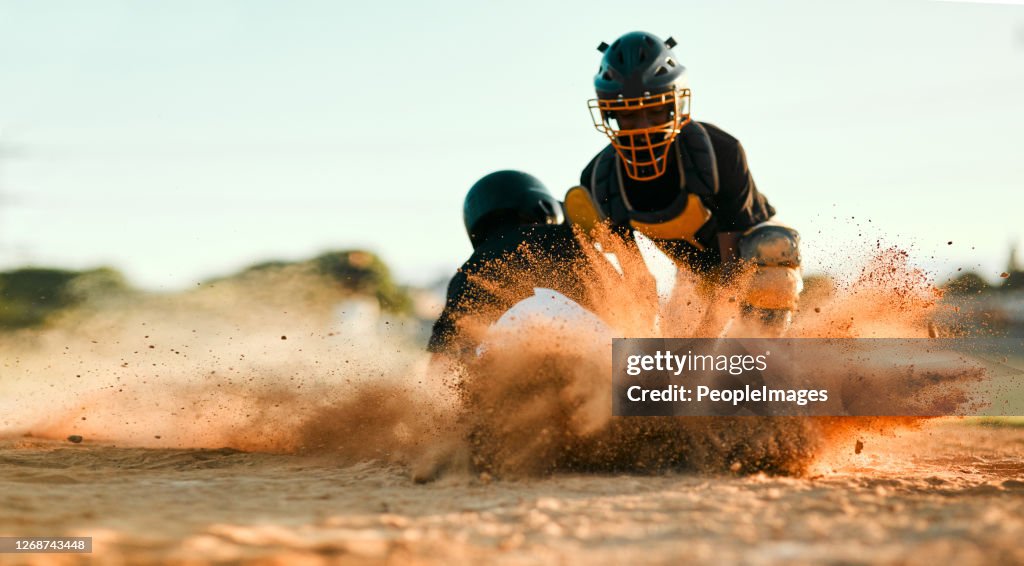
[(684, 217)]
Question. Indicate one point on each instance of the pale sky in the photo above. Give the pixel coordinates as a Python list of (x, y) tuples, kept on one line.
[(182, 140)]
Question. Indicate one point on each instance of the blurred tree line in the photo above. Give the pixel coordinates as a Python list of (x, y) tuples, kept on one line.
[(356, 271), (31, 296), (970, 283)]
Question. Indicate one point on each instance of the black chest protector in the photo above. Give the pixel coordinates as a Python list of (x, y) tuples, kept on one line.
[(686, 225)]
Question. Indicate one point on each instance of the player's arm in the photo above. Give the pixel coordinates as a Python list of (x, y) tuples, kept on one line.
[(443, 333), (728, 246), (740, 206)]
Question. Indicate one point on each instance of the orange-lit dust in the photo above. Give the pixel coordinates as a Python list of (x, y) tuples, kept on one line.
[(255, 419)]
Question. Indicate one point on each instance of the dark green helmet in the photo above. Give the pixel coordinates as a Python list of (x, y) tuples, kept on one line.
[(639, 73), (508, 198), (639, 64)]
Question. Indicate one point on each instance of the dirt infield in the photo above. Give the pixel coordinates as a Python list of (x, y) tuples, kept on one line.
[(206, 433), (950, 492)]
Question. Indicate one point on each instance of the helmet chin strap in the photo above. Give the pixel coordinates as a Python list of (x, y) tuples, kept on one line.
[(648, 161), (647, 172)]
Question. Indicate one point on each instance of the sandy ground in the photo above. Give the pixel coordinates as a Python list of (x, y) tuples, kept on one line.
[(951, 492), (329, 421)]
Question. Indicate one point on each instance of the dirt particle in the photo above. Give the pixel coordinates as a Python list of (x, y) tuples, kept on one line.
[(75, 438), (284, 338), (858, 447), (1004, 275)]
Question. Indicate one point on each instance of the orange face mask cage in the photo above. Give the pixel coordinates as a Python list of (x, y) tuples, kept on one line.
[(643, 151)]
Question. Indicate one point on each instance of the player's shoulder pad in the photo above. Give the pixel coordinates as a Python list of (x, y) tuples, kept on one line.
[(718, 134)]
